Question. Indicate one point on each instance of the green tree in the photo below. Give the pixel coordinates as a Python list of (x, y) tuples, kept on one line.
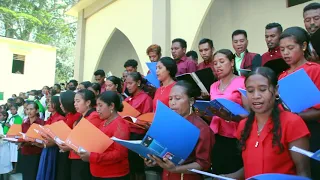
[(45, 22)]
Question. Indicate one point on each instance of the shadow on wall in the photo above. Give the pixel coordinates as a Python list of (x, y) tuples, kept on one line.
[(116, 52)]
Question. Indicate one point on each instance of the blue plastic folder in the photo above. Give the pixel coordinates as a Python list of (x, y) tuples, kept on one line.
[(298, 97), (315, 156), (231, 107), (243, 92), (275, 176), (170, 136), (152, 76)]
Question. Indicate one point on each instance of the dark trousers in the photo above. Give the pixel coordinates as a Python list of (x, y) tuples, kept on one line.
[(80, 170)]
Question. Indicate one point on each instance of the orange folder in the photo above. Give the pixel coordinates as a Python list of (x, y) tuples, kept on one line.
[(128, 110), (141, 120), (32, 134), (15, 131), (59, 131), (85, 136)]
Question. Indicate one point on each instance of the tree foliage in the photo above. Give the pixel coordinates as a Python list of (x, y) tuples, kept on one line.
[(42, 21)]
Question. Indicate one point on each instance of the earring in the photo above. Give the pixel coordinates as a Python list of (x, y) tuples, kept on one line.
[(111, 111)]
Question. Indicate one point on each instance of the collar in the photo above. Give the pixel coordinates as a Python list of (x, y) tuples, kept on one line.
[(184, 58), (207, 63), (241, 54)]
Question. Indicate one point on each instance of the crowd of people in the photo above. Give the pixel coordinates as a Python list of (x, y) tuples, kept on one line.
[(238, 147)]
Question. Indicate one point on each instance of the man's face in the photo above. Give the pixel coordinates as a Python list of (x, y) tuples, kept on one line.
[(205, 51), (239, 43), (153, 56), (177, 51), (312, 20), (272, 37), (131, 69), (99, 79)]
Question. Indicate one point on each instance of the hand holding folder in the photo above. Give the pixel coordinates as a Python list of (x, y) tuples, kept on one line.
[(32, 135), (86, 137), (134, 117)]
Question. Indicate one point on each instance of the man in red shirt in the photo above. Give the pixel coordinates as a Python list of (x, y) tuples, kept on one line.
[(311, 16), (178, 51), (272, 34), (100, 76), (154, 53), (193, 56), (243, 58), (206, 50)]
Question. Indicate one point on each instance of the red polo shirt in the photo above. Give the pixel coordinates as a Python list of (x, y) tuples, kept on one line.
[(201, 153), (272, 54), (103, 88), (261, 157), (29, 149), (204, 65), (114, 161), (143, 103), (186, 65)]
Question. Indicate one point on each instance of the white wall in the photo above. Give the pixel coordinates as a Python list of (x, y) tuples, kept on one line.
[(39, 68)]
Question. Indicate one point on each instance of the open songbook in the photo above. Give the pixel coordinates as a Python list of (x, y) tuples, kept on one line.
[(297, 97), (152, 76), (225, 106), (170, 136), (315, 41), (312, 155), (202, 79), (58, 131), (134, 117)]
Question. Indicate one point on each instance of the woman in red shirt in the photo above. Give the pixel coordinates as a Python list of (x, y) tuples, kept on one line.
[(294, 50), (182, 97), (30, 154), (166, 72), (113, 163), (84, 103), (268, 133), (49, 158), (67, 105), (143, 103)]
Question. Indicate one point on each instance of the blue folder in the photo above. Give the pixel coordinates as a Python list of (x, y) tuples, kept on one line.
[(243, 92), (170, 135), (231, 107), (298, 97), (275, 176), (152, 76)]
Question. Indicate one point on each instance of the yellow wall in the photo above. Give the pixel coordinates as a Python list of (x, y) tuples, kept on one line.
[(39, 68), (225, 16), (132, 18)]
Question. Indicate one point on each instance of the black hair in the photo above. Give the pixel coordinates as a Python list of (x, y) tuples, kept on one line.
[(193, 54), (274, 25), (230, 56), (74, 82), (15, 106), (110, 97), (311, 6), (96, 87), (206, 40), (53, 92), (275, 114), (58, 86), (136, 76), (116, 81), (191, 91), (181, 41), (5, 113), (239, 31), (35, 92), (86, 84), (299, 35), (131, 63), (99, 72), (46, 87), (56, 105), (67, 101), (88, 95), (170, 65)]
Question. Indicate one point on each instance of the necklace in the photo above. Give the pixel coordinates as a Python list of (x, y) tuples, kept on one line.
[(162, 89), (259, 130), (222, 88)]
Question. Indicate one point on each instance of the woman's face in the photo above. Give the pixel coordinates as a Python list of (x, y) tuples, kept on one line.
[(103, 109), (162, 72), (179, 101), (2, 117), (13, 110), (31, 111), (261, 95), (80, 104), (110, 86), (51, 106), (132, 85), (80, 86), (222, 65), (291, 51)]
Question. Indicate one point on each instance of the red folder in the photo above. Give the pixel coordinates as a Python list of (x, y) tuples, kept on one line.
[(86, 137)]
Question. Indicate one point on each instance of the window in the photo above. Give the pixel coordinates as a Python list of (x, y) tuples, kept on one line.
[(18, 64), (291, 3)]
